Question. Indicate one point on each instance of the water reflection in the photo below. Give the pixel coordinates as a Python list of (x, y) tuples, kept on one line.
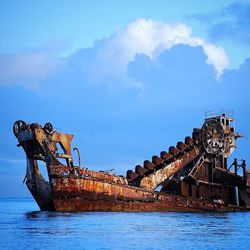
[(45, 214)]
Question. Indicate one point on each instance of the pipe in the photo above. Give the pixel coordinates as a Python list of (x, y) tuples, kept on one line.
[(236, 190), (79, 156)]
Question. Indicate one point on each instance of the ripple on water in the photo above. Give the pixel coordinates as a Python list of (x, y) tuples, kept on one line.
[(23, 226)]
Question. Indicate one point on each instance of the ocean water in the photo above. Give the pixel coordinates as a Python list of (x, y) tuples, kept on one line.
[(23, 226)]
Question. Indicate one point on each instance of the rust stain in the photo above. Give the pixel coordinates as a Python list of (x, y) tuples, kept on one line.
[(192, 176)]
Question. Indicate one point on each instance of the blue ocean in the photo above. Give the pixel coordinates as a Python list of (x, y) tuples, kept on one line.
[(23, 226)]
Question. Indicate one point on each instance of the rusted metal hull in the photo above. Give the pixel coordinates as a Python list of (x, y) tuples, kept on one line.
[(78, 205), (193, 176), (80, 194)]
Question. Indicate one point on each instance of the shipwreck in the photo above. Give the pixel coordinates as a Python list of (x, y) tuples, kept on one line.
[(194, 175)]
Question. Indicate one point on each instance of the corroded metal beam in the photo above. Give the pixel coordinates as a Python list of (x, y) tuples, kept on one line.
[(155, 179)]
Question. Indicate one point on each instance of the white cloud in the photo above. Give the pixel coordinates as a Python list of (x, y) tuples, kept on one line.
[(217, 57), (108, 59), (150, 37)]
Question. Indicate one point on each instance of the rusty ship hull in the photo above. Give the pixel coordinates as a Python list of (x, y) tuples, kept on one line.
[(193, 176), (80, 194)]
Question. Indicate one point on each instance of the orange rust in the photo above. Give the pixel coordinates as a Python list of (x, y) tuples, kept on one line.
[(192, 177)]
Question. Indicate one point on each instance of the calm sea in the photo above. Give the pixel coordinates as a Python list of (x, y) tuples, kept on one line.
[(23, 226)]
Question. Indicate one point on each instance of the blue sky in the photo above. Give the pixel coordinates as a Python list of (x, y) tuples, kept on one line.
[(128, 79)]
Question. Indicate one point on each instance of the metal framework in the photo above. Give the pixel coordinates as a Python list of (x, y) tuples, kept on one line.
[(193, 175)]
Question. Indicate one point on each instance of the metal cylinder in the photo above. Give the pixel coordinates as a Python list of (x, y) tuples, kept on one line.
[(181, 146), (148, 165), (156, 160), (140, 170), (165, 156), (236, 195), (189, 141), (131, 175), (173, 150)]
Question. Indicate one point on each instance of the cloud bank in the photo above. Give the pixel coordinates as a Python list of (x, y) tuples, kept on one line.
[(107, 61), (150, 37)]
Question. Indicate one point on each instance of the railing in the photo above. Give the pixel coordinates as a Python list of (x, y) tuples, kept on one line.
[(226, 112)]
